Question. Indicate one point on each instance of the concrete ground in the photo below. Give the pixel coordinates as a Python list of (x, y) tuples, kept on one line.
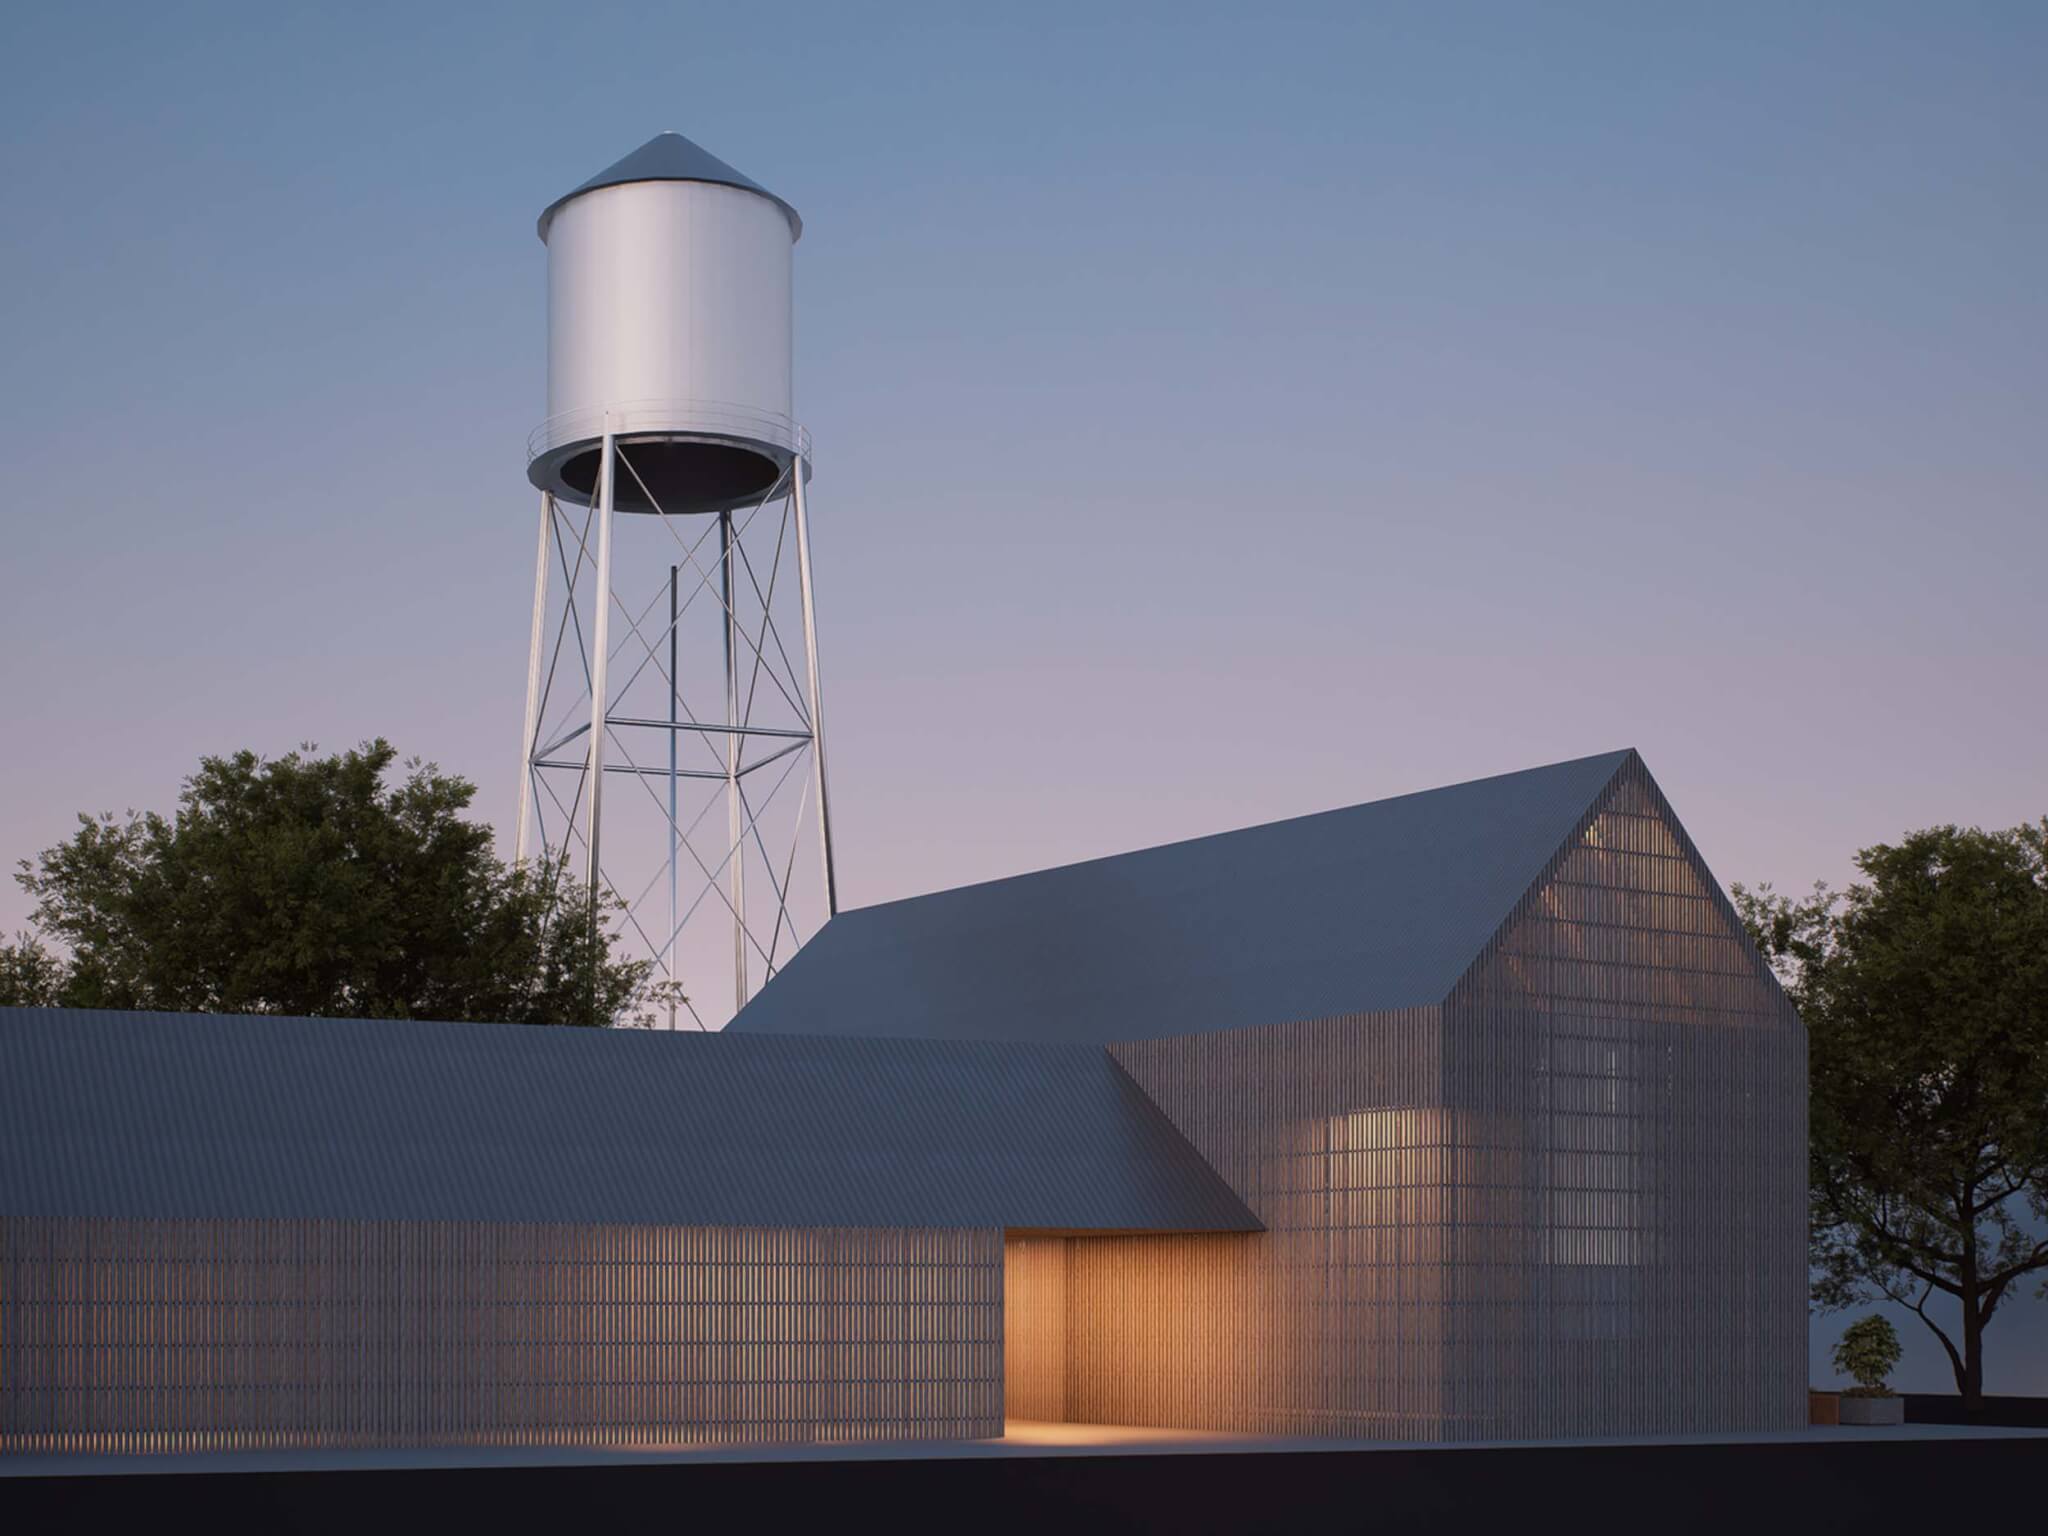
[(1021, 1438)]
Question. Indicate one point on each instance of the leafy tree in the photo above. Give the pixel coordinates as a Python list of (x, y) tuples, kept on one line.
[(1867, 1352), (1924, 989), (309, 885), (30, 976)]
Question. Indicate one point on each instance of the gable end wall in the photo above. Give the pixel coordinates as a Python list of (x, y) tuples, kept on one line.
[(1570, 1201), (1635, 1082)]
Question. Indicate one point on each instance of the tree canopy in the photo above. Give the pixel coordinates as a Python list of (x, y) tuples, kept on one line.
[(1924, 989), (310, 884)]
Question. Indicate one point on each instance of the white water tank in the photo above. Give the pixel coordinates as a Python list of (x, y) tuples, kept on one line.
[(669, 320)]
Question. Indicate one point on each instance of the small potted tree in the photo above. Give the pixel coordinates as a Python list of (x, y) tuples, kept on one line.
[(1868, 1351)]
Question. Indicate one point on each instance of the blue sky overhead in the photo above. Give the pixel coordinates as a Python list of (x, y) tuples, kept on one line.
[(1222, 412)]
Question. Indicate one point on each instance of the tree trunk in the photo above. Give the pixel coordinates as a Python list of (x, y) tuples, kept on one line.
[(1973, 1316), (1972, 1382)]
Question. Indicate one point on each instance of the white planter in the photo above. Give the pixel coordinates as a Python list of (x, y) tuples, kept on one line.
[(1873, 1410)]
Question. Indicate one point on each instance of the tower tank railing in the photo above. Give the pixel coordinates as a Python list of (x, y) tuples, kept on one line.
[(632, 418)]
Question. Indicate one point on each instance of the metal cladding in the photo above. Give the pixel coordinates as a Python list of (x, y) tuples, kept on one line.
[(1569, 1200), (151, 1336), (669, 325), (190, 1116), (1507, 1140), (1375, 907)]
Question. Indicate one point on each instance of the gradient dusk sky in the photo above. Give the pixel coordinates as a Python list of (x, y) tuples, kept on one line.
[(1222, 413)]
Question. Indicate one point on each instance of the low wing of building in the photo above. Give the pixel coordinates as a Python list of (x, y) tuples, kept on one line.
[(180, 1117)]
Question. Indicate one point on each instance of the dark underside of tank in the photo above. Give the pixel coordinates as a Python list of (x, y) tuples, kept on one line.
[(675, 475)]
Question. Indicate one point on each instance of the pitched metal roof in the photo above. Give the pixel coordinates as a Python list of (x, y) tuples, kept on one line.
[(1378, 906), (671, 157), (201, 1115)]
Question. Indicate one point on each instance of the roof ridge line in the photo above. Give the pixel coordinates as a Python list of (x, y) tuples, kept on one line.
[(1620, 755)]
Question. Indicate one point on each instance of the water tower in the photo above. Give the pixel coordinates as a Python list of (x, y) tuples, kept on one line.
[(663, 687)]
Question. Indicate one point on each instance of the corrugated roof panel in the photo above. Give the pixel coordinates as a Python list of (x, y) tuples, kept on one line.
[(194, 1115), (1371, 908)]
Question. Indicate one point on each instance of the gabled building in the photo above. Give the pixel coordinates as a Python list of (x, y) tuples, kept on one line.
[(1467, 1114)]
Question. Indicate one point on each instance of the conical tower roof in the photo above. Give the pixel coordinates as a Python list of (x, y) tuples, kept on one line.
[(671, 157)]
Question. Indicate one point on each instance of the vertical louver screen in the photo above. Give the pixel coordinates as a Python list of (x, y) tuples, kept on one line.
[(1571, 1201), (176, 1335)]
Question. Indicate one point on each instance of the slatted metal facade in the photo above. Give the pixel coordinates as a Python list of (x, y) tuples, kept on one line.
[(1570, 1201), (1553, 1187), (125, 1336), (1333, 1320), (1645, 1209)]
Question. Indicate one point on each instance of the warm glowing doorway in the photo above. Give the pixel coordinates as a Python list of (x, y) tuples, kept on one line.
[(1035, 1329)]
